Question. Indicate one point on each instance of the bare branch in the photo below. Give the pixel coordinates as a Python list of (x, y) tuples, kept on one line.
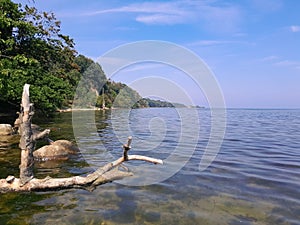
[(126, 148), (105, 174), (41, 135)]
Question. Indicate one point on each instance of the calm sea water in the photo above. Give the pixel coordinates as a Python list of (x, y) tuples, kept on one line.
[(254, 179)]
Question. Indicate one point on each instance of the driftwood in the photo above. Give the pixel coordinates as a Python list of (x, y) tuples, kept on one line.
[(27, 182)]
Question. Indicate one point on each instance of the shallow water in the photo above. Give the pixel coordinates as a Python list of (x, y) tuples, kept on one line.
[(254, 179)]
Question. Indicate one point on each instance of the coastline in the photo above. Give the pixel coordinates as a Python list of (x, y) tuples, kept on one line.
[(80, 109)]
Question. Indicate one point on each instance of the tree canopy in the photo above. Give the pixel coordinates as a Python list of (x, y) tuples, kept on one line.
[(33, 50)]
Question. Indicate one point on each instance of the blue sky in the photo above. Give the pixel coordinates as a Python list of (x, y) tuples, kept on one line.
[(252, 46)]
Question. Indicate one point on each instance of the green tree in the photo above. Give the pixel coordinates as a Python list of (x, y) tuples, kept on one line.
[(33, 50), (92, 82)]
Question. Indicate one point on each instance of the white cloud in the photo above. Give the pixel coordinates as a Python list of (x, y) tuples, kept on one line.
[(216, 42), (166, 8), (160, 19), (208, 43), (217, 17), (295, 29)]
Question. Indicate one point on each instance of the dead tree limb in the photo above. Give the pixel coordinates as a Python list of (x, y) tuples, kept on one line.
[(27, 182), (41, 135), (102, 175), (26, 142), (126, 148)]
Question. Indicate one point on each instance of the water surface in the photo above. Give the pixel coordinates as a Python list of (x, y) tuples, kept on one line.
[(255, 178)]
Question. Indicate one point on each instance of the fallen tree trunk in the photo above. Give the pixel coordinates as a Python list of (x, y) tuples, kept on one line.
[(27, 182)]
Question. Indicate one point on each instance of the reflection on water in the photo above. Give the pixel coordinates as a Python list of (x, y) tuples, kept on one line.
[(255, 179)]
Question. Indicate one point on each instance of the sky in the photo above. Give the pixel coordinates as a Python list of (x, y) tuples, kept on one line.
[(251, 47)]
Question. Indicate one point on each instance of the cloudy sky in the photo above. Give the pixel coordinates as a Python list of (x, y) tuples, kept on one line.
[(251, 46)]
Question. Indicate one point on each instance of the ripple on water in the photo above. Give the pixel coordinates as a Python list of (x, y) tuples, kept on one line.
[(253, 180)]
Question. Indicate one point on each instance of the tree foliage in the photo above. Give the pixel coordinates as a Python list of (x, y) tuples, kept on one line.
[(160, 103), (92, 81), (119, 95), (33, 50)]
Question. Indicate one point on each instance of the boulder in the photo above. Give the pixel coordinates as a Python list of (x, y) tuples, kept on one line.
[(6, 129), (57, 150), (6, 141)]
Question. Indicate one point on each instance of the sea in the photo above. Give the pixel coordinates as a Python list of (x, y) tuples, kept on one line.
[(244, 171)]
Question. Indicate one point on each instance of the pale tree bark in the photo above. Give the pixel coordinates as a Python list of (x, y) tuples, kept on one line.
[(27, 182), (26, 142)]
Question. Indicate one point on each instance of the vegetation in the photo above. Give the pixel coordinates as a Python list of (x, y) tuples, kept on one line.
[(33, 50), (95, 87), (159, 103), (118, 95)]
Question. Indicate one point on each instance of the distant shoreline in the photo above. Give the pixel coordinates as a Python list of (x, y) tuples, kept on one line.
[(79, 109), (100, 109)]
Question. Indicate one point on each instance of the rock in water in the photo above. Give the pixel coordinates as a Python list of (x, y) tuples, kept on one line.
[(5, 129), (58, 150), (7, 140)]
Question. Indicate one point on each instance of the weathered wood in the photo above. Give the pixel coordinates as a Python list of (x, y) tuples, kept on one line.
[(103, 175), (26, 142), (27, 182), (126, 148), (28, 138), (41, 135)]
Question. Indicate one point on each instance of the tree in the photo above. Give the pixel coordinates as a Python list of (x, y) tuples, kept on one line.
[(33, 50), (91, 84)]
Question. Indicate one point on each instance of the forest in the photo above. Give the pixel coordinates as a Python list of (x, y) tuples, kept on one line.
[(33, 50)]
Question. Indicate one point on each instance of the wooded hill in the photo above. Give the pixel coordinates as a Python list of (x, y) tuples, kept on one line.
[(33, 50)]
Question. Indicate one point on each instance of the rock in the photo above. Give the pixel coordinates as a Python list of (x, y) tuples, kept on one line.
[(58, 150), (6, 129), (8, 140)]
